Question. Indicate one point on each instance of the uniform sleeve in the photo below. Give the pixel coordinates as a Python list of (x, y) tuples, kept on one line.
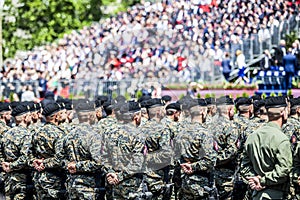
[(246, 165), (282, 168), (21, 162), (227, 148), (163, 156), (136, 162), (296, 164), (55, 161), (208, 157)]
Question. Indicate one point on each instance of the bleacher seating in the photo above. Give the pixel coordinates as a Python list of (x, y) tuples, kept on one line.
[(272, 81)]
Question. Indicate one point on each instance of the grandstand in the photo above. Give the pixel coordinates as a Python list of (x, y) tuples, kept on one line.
[(164, 41)]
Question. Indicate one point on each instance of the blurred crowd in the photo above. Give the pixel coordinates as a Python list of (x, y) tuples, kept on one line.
[(167, 38)]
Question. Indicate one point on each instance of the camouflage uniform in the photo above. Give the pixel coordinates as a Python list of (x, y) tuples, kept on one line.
[(66, 127), (123, 153), (195, 146), (85, 183), (3, 129), (226, 138), (158, 150), (292, 130), (45, 143), (15, 148)]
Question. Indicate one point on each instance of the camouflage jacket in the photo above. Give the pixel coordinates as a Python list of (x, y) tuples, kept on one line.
[(123, 151), (292, 129), (45, 143), (226, 141), (3, 129), (15, 147)]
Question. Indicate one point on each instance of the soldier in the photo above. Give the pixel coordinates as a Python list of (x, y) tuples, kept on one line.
[(166, 99), (225, 133), (5, 117), (211, 109), (15, 148), (84, 173), (259, 112), (267, 157), (197, 156), (292, 128), (124, 157), (48, 178), (36, 117), (66, 123), (158, 150)]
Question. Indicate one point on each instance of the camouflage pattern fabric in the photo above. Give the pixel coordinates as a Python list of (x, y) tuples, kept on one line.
[(15, 148), (226, 136), (123, 155), (44, 144), (158, 139), (76, 148), (195, 146)]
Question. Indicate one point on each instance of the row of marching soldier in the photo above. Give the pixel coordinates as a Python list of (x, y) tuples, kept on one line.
[(151, 148)]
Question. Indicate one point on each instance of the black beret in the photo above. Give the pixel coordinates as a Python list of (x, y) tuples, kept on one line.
[(51, 109), (197, 102), (152, 103), (295, 102), (31, 106), (49, 95), (185, 102), (130, 107), (14, 104), (174, 106), (276, 102), (20, 110), (224, 100), (256, 97), (5, 107), (243, 101), (210, 101), (144, 98), (60, 99), (166, 98), (98, 103), (102, 98), (107, 107), (258, 104), (85, 107), (120, 99)]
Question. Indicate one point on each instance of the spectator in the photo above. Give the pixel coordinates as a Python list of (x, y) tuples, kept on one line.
[(240, 61), (226, 66), (267, 61), (289, 63), (28, 94)]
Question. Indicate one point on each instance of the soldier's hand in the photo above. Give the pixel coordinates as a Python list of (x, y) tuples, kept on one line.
[(187, 168), (298, 180), (6, 167), (72, 167), (38, 164), (112, 178), (254, 183)]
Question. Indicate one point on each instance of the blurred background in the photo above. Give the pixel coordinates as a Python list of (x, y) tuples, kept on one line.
[(83, 48)]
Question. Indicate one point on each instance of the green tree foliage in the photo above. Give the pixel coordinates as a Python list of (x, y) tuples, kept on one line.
[(42, 21)]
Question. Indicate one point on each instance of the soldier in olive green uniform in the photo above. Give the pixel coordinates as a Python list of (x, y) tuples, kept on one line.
[(267, 159), (15, 148)]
